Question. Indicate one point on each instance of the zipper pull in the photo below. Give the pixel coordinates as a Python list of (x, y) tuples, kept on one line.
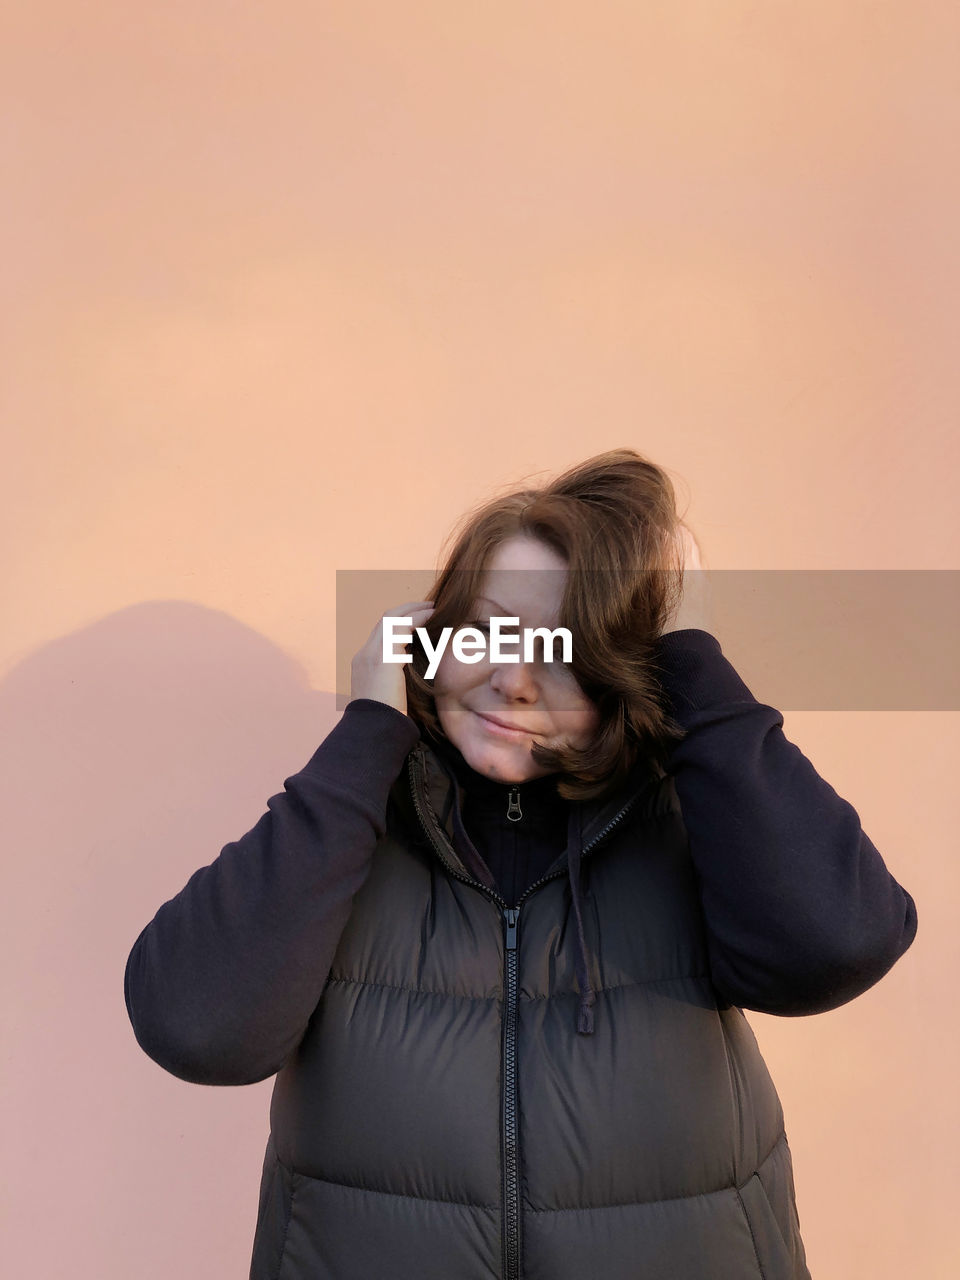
[(514, 812), (510, 916)]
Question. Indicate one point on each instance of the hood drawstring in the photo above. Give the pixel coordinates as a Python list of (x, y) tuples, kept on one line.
[(587, 995)]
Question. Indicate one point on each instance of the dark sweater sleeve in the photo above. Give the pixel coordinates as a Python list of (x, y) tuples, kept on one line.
[(802, 915), (221, 984)]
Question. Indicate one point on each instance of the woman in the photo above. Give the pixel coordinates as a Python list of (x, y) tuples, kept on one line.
[(496, 937)]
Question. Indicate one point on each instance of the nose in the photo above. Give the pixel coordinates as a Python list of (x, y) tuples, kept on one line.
[(514, 681)]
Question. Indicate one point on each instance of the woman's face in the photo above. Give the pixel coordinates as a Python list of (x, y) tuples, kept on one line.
[(524, 579)]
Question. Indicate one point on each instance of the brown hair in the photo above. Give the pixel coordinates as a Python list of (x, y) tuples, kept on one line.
[(613, 519)]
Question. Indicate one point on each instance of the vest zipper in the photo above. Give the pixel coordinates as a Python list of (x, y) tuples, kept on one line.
[(512, 1218), (514, 812), (510, 1234), (509, 1135)]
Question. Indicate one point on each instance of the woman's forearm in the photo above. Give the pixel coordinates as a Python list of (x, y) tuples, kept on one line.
[(801, 912), (221, 983)]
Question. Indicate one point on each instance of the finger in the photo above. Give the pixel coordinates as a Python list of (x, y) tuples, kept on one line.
[(411, 606)]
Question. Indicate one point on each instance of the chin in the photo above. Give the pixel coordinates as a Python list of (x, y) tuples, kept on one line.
[(509, 764)]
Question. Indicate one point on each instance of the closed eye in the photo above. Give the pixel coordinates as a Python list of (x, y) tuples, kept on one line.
[(557, 646)]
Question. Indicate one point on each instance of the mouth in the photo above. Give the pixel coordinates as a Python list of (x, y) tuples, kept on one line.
[(501, 730)]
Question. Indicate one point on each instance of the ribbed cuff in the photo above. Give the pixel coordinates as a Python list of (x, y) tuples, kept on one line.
[(694, 673)]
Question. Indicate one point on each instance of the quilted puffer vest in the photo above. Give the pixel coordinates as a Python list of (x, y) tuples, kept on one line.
[(442, 1119)]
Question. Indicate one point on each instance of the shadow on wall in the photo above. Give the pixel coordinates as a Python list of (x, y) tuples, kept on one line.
[(134, 750)]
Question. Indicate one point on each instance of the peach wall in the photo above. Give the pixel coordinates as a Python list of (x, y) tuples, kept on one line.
[(289, 288)]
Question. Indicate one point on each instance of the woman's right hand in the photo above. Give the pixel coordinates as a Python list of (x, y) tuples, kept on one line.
[(695, 608), (370, 676)]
